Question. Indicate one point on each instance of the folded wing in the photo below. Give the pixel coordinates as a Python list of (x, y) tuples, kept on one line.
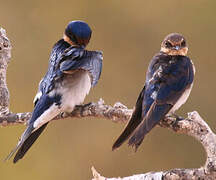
[(163, 90)]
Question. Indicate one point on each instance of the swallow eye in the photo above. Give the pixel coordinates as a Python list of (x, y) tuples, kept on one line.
[(168, 44), (183, 44)]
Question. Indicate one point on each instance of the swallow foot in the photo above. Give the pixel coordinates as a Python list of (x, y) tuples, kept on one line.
[(172, 119), (177, 118), (83, 107)]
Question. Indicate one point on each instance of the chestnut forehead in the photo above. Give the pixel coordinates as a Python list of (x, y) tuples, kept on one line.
[(174, 38)]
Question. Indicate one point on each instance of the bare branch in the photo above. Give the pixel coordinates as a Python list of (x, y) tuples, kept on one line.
[(116, 113), (5, 55), (174, 174), (193, 125)]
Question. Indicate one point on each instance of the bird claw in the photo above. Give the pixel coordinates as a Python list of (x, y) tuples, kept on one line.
[(88, 104), (173, 119), (84, 105), (178, 118)]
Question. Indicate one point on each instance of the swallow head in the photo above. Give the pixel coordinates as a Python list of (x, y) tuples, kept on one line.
[(77, 33), (174, 44)]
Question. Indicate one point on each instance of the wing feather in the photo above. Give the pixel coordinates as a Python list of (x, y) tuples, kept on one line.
[(132, 124)]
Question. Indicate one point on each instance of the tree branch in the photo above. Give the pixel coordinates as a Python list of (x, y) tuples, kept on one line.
[(5, 55), (116, 113), (193, 125), (196, 127)]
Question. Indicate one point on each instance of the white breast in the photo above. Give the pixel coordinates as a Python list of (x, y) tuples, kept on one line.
[(184, 96), (181, 100), (74, 89)]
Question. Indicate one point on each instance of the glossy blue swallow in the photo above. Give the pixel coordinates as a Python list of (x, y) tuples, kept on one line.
[(71, 74), (169, 81)]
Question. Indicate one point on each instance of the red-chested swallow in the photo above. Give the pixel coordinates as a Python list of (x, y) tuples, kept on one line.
[(169, 80)]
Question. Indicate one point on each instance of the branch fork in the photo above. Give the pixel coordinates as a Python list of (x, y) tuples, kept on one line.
[(193, 125)]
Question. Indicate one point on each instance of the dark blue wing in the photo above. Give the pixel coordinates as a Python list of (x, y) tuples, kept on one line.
[(48, 82), (90, 61), (167, 79), (70, 58), (132, 124), (30, 135), (175, 79)]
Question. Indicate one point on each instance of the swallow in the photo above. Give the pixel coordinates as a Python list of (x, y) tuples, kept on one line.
[(169, 80), (72, 72)]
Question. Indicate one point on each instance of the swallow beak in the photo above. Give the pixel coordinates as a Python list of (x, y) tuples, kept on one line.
[(177, 48)]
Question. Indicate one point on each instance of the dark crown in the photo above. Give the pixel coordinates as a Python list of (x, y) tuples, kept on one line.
[(174, 44), (174, 39), (78, 32)]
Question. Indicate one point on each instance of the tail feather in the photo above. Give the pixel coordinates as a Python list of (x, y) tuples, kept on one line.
[(131, 126), (135, 120), (154, 115), (45, 109), (24, 136), (28, 143)]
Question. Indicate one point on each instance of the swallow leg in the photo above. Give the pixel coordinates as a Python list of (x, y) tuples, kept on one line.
[(177, 117), (84, 105), (172, 119)]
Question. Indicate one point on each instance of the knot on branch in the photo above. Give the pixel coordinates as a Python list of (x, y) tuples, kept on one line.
[(5, 47), (5, 55)]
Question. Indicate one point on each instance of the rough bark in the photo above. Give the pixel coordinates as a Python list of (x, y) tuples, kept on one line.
[(5, 55), (196, 127), (193, 125)]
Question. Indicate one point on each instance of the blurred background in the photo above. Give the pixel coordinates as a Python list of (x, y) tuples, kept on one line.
[(129, 33)]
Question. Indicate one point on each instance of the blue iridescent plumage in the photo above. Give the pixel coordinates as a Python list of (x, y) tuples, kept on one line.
[(72, 72), (168, 84)]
